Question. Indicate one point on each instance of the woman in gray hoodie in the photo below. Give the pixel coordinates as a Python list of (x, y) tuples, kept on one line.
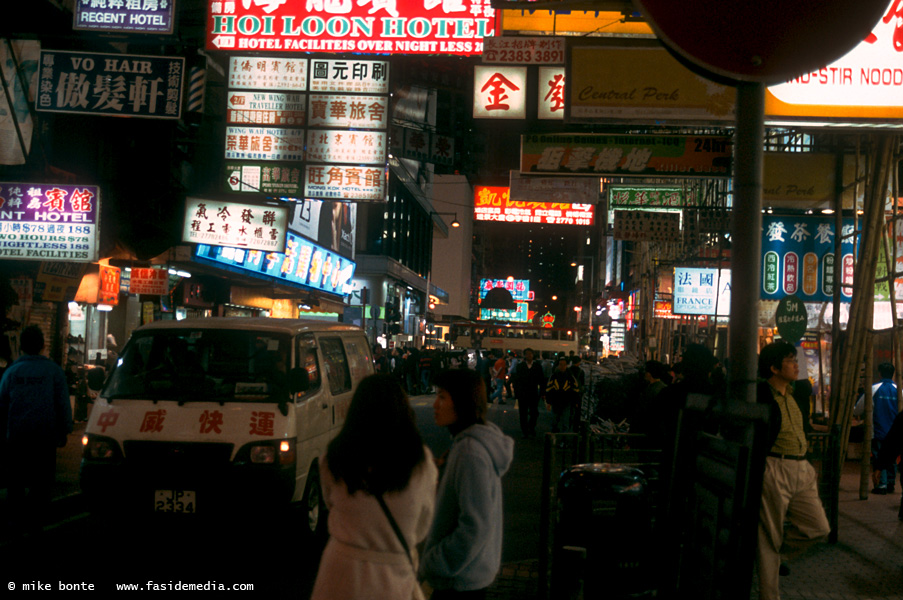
[(463, 550)]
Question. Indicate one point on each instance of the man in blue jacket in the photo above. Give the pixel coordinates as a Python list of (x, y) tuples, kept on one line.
[(37, 418), (884, 411)]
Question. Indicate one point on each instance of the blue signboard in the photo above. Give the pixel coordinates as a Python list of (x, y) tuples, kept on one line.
[(798, 258), (303, 263)]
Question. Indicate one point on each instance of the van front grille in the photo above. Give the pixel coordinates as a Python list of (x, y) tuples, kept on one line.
[(177, 454)]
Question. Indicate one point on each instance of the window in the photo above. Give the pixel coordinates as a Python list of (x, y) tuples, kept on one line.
[(336, 365), (306, 353)]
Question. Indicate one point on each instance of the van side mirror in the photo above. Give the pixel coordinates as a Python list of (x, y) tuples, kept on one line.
[(95, 378), (298, 380)]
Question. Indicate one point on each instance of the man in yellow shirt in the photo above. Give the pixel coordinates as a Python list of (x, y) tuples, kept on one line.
[(790, 484)]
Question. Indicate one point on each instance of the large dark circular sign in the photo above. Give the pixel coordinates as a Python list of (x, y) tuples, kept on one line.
[(791, 318), (768, 42)]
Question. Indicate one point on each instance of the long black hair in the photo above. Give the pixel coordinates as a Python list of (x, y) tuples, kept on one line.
[(379, 445), (468, 393)]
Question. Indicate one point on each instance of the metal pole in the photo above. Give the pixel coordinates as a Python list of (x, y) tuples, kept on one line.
[(746, 240)]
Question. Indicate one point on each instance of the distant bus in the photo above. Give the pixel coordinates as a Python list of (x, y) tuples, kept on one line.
[(545, 341)]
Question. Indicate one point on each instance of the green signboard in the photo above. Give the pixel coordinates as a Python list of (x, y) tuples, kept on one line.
[(791, 318)]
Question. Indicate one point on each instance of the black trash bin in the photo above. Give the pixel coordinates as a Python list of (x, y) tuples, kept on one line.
[(603, 538)]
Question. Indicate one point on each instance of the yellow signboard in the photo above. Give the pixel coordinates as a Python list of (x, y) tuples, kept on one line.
[(575, 22), (641, 83)]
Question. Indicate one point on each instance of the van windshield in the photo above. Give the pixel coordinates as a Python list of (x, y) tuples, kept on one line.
[(202, 365)]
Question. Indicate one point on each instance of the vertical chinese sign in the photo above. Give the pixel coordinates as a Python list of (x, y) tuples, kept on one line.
[(798, 258), (41, 221), (499, 92)]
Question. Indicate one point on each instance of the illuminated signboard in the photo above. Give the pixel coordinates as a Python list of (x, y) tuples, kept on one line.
[(597, 155), (361, 26), (266, 108), (126, 17), (349, 76), (499, 92), (44, 221), (618, 333), (340, 110), (343, 182), (650, 198), (701, 291), (153, 282), (260, 143), (262, 73), (523, 50), (110, 84), (338, 145), (303, 263), (798, 258), (272, 179), (220, 223), (495, 204), (520, 315), (550, 100), (108, 290), (864, 84), (330, 224), (519, 288)]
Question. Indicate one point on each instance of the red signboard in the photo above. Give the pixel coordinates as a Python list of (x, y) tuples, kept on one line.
[(451, 27), (493, 203), (108, 293)]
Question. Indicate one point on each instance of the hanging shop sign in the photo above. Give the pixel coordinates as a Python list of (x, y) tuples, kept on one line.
[(650, 196), (124, 17), (702, 291), (798, 258), (791, 318), (518, 288), (108, 290), (362, 26), (342, 146), (442, 149), (58, 281), (527, 20), (262, 73), (520, 315), (272, 179), (110, 84), (221, 223), (598, 155), (343, 182), (495, 204), (641, 83), (330, 224), (266, 108), (567, 190), (303, 263), (523, 50), (617, 337), (153, 282), (646, 226), (499, 92), (863, 85), (264, 143), (349, 76), (550, 99), (343, 110), (41, 221)]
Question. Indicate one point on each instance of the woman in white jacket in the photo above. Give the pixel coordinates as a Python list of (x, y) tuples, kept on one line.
[(378, 452)]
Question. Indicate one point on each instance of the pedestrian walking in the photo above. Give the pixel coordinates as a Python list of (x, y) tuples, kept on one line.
[(890, 452), (379, 483), (463, 550), (562, 392), (884, 411), (37, 419), (529, 386), (789, 484)]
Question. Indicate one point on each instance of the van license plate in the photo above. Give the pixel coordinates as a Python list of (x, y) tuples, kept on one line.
[(175, 501)]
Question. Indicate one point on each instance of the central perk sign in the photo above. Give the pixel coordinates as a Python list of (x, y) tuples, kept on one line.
[(452, 27)]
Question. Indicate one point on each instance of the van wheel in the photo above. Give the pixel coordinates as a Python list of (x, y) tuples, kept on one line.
[(314, 507)]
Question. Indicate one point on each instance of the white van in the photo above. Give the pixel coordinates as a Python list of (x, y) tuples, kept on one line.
[(206, 413)]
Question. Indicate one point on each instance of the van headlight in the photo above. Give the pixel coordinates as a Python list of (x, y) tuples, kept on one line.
[(98, 447), (271, 452)]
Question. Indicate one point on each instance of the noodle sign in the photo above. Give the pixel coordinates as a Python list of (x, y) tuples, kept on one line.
[(791, 318)]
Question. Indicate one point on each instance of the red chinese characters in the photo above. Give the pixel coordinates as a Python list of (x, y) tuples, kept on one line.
[(153, 421), (211, 421), (262, 423), (496, 89), (107, 419)]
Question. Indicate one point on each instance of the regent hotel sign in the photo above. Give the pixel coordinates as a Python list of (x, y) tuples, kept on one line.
[(455, 27)]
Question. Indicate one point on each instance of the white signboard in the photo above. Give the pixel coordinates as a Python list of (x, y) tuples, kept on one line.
[(153, 282), (336, 145), (551, 93), (342, 110), (343, 182), (235, 224), (257, 143), (499, 92), (349, 76), (266, 108), (259, 73), (698, 291), (517, 50), (564, 190)]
